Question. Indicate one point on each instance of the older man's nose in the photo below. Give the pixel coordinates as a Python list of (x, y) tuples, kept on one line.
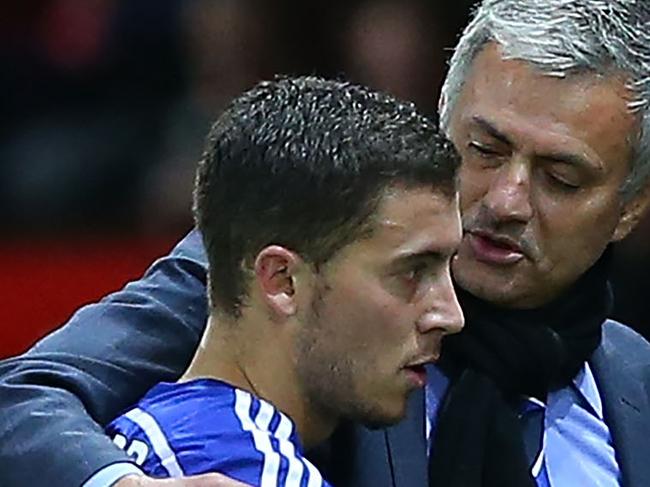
[(508, 197)]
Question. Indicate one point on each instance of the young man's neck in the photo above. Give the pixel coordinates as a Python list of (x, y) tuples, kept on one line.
[(251, 355)]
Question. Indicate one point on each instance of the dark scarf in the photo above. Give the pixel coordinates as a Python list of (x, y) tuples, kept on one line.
[(500, 355)]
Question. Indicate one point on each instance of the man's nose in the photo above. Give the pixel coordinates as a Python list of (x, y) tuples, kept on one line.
[(442, 310), (508, 197)]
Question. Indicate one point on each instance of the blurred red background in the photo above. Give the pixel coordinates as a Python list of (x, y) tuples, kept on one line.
[(43, 282)]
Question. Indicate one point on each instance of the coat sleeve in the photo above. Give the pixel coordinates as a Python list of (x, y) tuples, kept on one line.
[(55, 398)]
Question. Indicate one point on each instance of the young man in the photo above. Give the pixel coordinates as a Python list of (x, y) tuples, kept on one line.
[(330, 216), (548, 103)]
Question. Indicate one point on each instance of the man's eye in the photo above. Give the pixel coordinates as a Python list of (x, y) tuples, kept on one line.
[(482, 150), (561, 183), (415, 273)]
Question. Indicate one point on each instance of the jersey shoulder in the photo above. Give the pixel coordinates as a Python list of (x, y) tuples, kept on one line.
[(210, 426)]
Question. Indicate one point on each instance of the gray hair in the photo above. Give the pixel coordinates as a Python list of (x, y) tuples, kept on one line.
[(564, 37)]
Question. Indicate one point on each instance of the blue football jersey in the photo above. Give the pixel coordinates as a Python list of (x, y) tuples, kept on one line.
[(210, 426)]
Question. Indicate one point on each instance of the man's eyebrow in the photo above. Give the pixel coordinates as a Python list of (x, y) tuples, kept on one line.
[(434, 255), (491, 129)]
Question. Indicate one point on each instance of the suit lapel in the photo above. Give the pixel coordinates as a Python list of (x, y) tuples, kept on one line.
[(393, 457), (406, 445), (361, 459), (622, 387)]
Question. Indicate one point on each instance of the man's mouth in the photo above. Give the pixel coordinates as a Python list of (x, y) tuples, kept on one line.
[(494, 249), (416, 371)]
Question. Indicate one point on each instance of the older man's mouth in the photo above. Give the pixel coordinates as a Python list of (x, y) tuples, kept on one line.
[(494, 248)]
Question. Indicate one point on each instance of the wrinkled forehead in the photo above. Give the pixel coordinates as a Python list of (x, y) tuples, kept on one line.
[(586, 110), (491, 67)]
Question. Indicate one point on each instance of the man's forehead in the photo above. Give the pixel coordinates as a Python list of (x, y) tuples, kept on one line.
[(491, 64), (400, 204), (418, 219)]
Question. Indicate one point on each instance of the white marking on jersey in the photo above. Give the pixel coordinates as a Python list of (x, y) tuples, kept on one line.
[(261, 439), (158, 440)]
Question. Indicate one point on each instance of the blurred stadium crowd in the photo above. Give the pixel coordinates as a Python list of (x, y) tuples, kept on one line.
[(106, 102)]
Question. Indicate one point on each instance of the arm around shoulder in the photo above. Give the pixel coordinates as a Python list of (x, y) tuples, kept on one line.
[(54, 397)]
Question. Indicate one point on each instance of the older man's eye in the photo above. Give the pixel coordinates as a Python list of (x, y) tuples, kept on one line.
[(558, 182), (482, 150), (484, 156)]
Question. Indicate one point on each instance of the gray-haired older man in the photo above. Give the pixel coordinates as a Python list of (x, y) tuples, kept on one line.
[(548, 102)]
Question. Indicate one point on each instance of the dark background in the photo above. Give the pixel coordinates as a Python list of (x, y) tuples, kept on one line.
[(105, 104)]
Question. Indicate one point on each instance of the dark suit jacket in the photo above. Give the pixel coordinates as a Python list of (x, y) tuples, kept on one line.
[(396, 457), (55, 398), (621, 367)]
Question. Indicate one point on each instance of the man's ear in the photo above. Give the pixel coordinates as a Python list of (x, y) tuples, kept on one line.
[(632, 213), (275, 271)]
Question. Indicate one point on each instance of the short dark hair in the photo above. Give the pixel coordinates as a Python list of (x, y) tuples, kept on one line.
[(302, 163)]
